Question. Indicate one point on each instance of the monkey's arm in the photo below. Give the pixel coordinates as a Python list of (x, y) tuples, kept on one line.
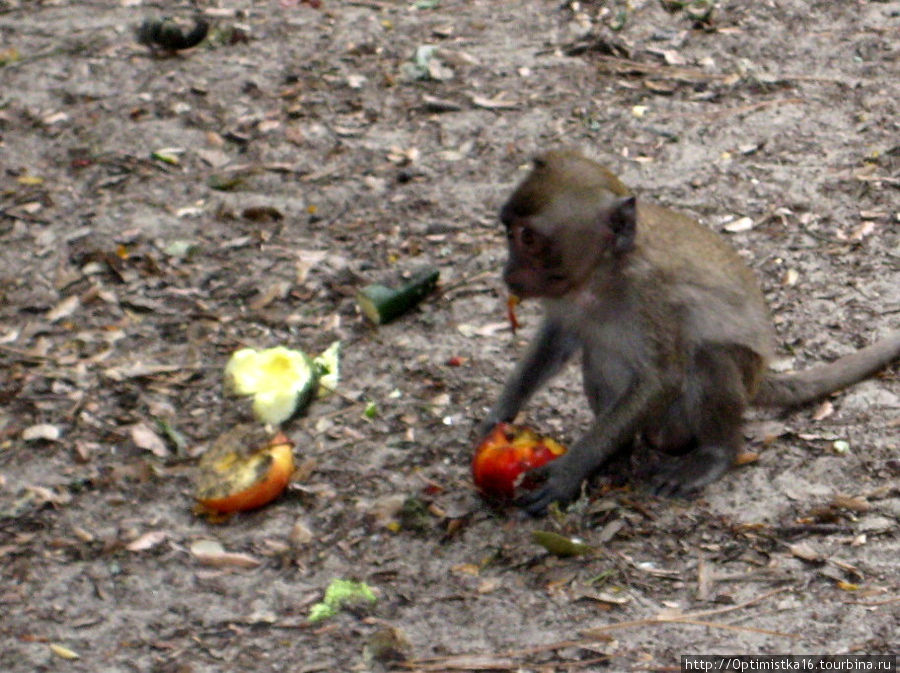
[(613, 428), (551, 349)]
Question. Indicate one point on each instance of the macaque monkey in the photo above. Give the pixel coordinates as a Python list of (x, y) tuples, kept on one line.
[(672, 327)]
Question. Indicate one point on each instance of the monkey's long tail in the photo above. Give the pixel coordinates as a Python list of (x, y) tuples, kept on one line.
[(788, 390)]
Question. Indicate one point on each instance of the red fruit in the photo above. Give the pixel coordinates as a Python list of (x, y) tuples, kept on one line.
[(504, 457)]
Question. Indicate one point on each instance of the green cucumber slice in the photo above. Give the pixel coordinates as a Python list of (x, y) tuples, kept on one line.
[(381, 304)]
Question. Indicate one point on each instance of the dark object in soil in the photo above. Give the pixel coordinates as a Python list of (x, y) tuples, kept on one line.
[(167, 35), (673, 329)]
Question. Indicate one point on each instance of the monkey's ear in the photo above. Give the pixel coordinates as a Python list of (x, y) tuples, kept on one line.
[(623, 222)]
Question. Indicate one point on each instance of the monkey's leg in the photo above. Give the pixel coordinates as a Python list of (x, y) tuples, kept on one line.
[(713, 402), (672, 433), (551, 349)]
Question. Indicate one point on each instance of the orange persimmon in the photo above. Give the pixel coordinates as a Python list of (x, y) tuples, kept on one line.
[(236, 479), (504, 457)]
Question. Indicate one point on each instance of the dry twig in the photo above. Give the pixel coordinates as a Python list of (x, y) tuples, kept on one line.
[(506, 660), (692, 618)]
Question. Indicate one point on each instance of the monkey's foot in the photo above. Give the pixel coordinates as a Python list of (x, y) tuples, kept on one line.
[(686, 475)]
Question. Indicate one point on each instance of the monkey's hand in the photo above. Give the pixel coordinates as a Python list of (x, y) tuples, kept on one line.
[(502, 412), (483, 428), (611, 432), (559, 481)]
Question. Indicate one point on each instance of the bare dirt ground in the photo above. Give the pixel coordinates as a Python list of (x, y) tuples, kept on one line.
[(313, 156)]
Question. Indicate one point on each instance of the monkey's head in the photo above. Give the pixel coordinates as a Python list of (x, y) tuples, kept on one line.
[(567, 216)]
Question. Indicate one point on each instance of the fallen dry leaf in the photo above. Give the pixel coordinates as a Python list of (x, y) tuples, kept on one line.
[(746, 457), (212, 553), (465, 569), (64, 309), (63, 652), (147, 541), (145, 438), (823, 411), (274, 292), (134, 370), (740, 224), (851, 503), (805, 552), (301, 534), (606, 597), (496, 103), (863, 230), (45, 431), (385, 509), (469, 330), (42, 495), (488, 586), (790, 277)]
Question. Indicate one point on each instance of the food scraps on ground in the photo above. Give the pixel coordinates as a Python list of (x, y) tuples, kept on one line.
[(506, 455), (281, 380), (170, 35), (381, 304), (340, 594), (328, 367), (243, 470)]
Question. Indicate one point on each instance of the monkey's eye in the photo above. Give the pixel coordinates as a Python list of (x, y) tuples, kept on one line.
[(528, 237)]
